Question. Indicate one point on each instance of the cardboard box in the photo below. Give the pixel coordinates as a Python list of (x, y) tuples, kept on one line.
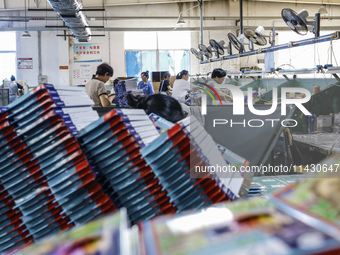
[(123, 78), (324, 122), (156, 86)]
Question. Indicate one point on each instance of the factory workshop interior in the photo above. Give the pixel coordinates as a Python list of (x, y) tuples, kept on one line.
[(146, 127)]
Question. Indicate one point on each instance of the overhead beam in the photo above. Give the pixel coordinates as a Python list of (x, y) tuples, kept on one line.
[(315, 2), (272, 18), (89, 5), (153, 29), (109, 3), (123, 29), (50, 9), (74, 27)]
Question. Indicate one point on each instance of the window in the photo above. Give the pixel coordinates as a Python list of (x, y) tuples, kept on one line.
[(308, 56), (174, 61), (156, 51), (140, 61), (7, 55)]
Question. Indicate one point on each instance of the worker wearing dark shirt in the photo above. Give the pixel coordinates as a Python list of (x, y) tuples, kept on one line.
[(164, 87)]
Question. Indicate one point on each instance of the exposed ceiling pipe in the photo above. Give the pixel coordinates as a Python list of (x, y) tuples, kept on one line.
[(69, 12), (241, 17), (201, 19)]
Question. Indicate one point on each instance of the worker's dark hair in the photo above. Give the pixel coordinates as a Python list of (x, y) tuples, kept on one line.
[(12, 78), (165, 106), (219, 73), (181, 73), (104, 68), (165, 75), (146, 74)]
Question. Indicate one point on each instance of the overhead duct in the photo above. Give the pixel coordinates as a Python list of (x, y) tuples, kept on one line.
[(69, 12)]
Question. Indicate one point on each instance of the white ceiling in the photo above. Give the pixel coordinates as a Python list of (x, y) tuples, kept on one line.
[(161, 15), (20, 4)]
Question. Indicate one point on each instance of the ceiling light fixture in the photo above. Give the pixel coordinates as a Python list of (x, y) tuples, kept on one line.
[(323, 9), (26, 34), (180, 19)]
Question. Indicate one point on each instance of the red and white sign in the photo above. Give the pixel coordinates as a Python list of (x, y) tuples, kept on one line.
[(25, 63), (87, 52)]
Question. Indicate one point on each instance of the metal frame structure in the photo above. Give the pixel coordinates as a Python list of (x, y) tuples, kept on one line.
[(325, 38), (327, 69)]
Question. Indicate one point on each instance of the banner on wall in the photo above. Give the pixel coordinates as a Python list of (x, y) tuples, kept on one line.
[(25, 63), (87, 52)]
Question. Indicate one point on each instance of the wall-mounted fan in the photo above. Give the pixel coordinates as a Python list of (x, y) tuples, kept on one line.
[(258, 36), (298, 21), (239, 42), (206, 51), (218, 47), (198, 54), (202, 52), (255, 36)]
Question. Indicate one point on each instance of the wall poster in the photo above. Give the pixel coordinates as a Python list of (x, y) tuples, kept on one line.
[(25, 63), (87, 52)]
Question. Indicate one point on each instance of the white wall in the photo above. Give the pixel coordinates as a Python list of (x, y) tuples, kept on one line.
[(54, 53), (28, 48), (63, 56), (117, 53), (51, 48)]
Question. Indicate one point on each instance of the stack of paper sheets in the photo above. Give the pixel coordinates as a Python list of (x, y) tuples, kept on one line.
[(179, 158), (113, 145), (47, 184)]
